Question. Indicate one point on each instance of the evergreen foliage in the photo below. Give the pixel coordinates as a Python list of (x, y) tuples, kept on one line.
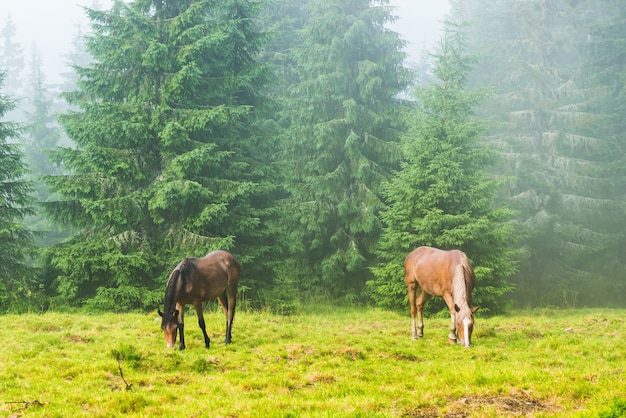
[(16, 242), (170, 158), (605, 79), (563, 189), (283, 20), (442, 195), (11, 59), (174, 149), (343, 119), (42, 133)]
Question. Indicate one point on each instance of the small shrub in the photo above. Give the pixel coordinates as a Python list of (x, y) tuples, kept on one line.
[(129, 355)]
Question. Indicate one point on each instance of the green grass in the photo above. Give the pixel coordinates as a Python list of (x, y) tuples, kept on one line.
[(348, 362)]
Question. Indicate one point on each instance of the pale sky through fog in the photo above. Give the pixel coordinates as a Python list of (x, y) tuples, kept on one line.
[(52, 25)]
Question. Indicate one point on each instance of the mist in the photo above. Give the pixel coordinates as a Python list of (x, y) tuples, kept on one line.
[(52, 26)]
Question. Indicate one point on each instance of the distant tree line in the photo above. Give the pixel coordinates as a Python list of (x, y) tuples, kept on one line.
[(283, 132)]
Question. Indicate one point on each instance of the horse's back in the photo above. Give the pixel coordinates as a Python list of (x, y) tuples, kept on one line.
[(432, 268), (215, 273), (430, 257)]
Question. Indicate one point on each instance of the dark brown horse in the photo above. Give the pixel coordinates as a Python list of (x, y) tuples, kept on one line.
[(195, 280), (441, 273)]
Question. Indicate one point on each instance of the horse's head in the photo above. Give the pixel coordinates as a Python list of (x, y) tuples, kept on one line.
[(464, 321), (169, 325)]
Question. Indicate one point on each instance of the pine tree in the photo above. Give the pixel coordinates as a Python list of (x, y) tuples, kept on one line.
[(442, 195), (282, 20), (344, 122), (42, 133), (170, 158), (15, 203), (11, 59), (605, 80), (78, 57), (552, 150)]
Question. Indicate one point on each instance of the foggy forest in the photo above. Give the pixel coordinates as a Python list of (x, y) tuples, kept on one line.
[(297, 135)]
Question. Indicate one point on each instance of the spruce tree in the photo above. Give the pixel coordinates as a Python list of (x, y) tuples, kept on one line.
[(16, 241), (11, 59), (170, 158), (442, 196), (42, 133), (556, 153), (605, 80), (344, 124)]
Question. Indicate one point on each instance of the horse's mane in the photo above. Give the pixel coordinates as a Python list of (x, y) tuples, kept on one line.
[(463, 283), (177, 280)]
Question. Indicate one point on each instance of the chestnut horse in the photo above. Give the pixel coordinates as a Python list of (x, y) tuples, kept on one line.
[(441, 273), (195, 280)]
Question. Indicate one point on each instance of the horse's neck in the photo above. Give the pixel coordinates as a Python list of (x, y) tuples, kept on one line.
[(459, 288)]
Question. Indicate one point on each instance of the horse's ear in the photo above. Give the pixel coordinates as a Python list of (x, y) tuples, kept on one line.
[(160, 313), (475, 309), (456, 308)]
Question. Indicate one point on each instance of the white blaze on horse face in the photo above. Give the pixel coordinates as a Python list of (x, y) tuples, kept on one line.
[(170, 331), (466, 324)]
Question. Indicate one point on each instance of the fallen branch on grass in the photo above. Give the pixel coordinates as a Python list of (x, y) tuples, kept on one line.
[(27, 403), (119, 364)]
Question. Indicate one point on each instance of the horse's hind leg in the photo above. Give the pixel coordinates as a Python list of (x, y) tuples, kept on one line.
[(201, 324), (412, 287), (419, 302), (228, 301)]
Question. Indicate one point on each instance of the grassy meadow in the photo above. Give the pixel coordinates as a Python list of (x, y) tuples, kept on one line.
[(321, 362)]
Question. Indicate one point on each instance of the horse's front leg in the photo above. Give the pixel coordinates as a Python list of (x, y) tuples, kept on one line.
[(181, 325), (450, 302), (181, 332), (201, 324), (452, 335)]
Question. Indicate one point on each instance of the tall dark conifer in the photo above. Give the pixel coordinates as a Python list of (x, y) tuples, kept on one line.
[(170, 160), (344, 118), (15, 204)]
